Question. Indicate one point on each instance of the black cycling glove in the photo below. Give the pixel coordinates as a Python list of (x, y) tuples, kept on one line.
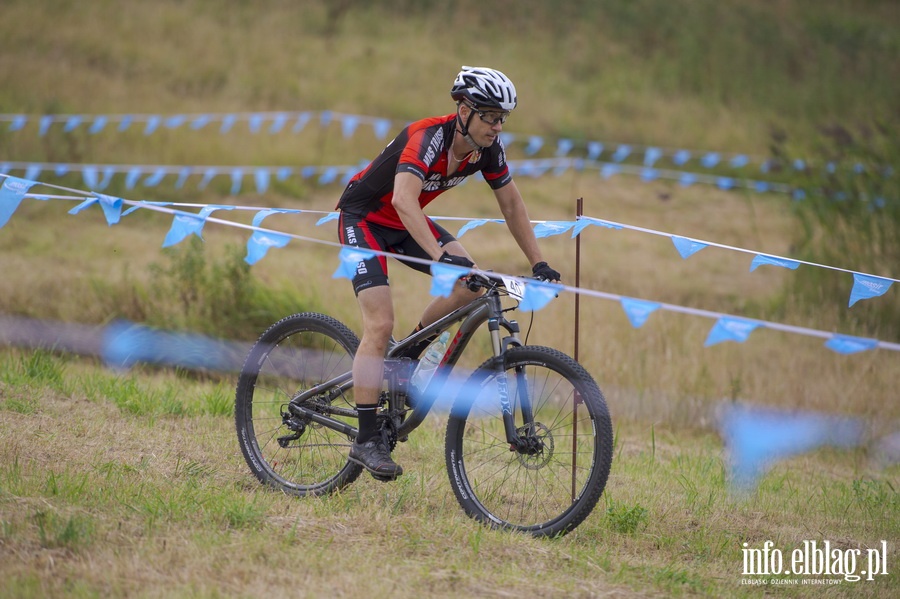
[(543, 272), (456, 260)]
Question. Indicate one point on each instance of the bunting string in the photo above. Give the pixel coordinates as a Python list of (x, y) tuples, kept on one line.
[(98, 177), (865, 285), (726, 327), (296, 121)]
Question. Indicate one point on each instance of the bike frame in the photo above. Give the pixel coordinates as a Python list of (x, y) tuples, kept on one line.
[(486, 308)]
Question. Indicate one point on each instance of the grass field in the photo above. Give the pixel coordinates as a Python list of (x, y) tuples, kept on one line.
[(131, 483)]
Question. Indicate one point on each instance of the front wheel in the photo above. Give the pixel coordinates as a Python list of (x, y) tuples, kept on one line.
[(291, 453), (549, 484)]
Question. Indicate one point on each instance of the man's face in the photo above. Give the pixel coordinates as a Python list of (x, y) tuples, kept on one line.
[(485, 124)]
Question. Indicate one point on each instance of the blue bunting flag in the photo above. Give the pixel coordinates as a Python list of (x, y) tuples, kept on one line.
[(349, 124), (12, 191), (72, 123), (328, 175), (207, 177), (200, 122), (687, 179), (156, 178), (174, 122), (186, 223), (328, 218), (278, 123), (546, 229), (262, 180), (132, 176), (183, 175), (351, 258), (444, 277), (18, 122), (563, 147), (730, 329), (687, 247), (608, 170), (739, 161), (638, 311), (152, 125), (45, 123), (254, 123), (538, 294), (649, 174), (621, 153), (227, 123), (582, 224), (725, 183), (112, 207), (651, 155), (535, 143), (472, 224), (98, 125), (237, 178), (757, 438), (595, 148), (867, 287), (844, 344), (710, 160), (681, 157), (761, 259), (381, 128), (260, 242), (300, 123)]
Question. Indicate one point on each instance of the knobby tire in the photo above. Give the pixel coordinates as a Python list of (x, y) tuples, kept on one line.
[(294, 354), (549, 492)]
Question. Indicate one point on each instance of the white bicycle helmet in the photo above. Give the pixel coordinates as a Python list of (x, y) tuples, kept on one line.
[(484, 87)]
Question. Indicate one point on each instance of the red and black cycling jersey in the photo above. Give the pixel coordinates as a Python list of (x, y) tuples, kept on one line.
[(421, 149)]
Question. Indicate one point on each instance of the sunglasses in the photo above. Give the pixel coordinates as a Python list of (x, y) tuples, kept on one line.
[(491, 118)]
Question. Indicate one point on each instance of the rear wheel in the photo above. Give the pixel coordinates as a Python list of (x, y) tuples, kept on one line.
[(549, 483), (291, 453)]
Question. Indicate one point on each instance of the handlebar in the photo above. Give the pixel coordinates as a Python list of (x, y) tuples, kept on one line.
[(504, 285), (475, 281)]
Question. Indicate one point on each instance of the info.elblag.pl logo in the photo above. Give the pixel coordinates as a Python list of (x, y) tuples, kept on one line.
[(812, 562)]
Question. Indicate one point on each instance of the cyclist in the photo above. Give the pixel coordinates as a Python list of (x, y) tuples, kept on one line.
[(382, 209)]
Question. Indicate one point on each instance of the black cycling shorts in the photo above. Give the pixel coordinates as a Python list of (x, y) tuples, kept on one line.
[(356, 231)]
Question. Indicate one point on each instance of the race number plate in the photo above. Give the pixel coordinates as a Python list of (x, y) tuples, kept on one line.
[(515, 287)]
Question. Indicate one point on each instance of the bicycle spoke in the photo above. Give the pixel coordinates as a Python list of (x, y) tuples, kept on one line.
[(531, 487), (284, 450)]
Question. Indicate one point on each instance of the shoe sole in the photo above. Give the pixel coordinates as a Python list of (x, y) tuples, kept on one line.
[(381, 476)]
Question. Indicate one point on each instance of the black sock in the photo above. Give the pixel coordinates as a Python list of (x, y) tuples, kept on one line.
[(368, 422)]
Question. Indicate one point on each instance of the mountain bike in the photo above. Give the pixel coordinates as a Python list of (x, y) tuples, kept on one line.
[(528, 442)]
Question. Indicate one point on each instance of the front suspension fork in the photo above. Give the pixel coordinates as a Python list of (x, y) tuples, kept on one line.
[(516, 441)]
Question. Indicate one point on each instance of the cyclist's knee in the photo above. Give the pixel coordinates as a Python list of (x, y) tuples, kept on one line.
[(379, 328)]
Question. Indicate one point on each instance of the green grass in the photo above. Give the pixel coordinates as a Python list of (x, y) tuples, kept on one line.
[(165, 500)]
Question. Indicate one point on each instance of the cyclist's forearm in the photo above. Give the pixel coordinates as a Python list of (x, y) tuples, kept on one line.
[(516, 215)]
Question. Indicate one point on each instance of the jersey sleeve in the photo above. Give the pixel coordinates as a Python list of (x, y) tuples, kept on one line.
[(423, 148), (496, 171)]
